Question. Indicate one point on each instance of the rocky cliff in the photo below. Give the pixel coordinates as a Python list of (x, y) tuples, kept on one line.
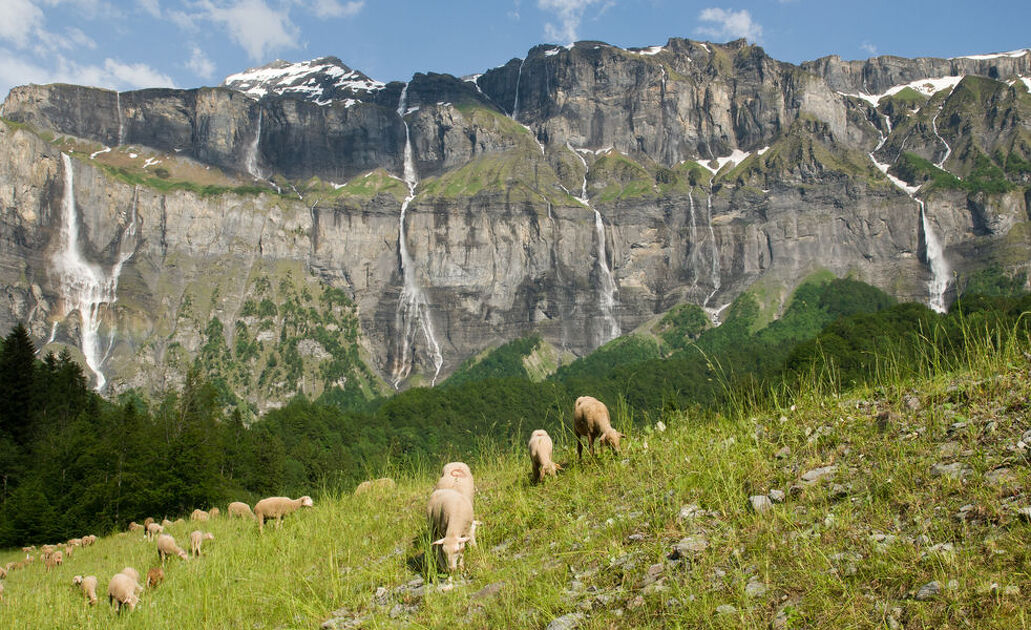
[(303, 227)]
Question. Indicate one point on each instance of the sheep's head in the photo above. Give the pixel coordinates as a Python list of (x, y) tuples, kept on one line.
[(453, 549), (307, 502), (209, 536), (77, 580), (612, 438)]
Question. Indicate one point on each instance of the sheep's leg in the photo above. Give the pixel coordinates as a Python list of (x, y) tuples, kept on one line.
[(579, 448), (590, 444)]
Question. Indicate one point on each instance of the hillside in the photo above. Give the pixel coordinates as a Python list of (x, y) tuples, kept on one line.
[(887, 491)]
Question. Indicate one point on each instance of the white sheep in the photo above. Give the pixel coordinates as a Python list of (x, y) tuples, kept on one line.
[(197, 538), (134, 526), (165, 524), (198, 515), (214, 512), (375, 485), (591, 419), (540, 455), (88, 540), (241, 509), (133, 573), (450, 517), (153, 529), (277, 508), (123, 590), (167, 547), (53, 560), (88, 585), (457, 476), (147, 521)]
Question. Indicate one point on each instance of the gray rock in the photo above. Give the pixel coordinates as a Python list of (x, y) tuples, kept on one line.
[(783, 453), (955, 470), (690, 511), (755, 589), (688, 546), (928, 591), (760, 503), (726, 609), (487, 591), (777, 496), (566, 622), (815, 475), (999, 476), (1024, 513)]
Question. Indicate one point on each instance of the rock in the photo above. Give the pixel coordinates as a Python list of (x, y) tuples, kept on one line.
[(690, 511), (726, 609), (912, 402), (1024, 513), (636, 537), (999, 476), (783, 453), (777, 496), (815, 475), (955, 470), (755, 589), (487, 591), (688, 546), (928, 591), (949, 449), (783, 616), (660, 426), (760, 503), (566, 622)]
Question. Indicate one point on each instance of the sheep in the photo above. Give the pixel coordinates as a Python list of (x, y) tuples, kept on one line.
[(450, 517), (278, 507), (4, 570), (178, 522), (540, 455), (197, 537), (1, 591), (88, 585), (591, 419), (153, 529), (375, 485), (88, 540), (74, 542), (53, 560), (134, 526), (198, 515), (123, 590), (241, 509), (167, 547), (155, 576), (165, 524), (147, 521), (457, 476), (214, 512)]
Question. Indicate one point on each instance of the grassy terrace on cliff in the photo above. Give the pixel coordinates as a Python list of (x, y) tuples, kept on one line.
[(901, 509)]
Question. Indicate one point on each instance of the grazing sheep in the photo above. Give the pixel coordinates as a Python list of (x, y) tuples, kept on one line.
[(241, 509), (29, 549), (178, 522), (147, 521), (375, 485), (197, 538), (214, 512), (153, 529), (134, 526), (540, 455), (198, 515), (123, 590), (591, 419), (166, 523), (53, 560), (4, 570), (277, 508), (167, 547), (457, 476), (74, 542), (450, 517), (88, 540), (155, 576), (88, 585), (1, 591)]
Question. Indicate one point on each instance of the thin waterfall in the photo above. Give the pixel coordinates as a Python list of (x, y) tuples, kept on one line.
[(251, 161), (692, 259), (412, 304), (121, 125), (948, 149), (714, 247), (83, 285), (515, 103)]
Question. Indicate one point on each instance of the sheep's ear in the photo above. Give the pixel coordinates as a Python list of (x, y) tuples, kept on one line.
[(477, 523), (438, 542), (463, 539)]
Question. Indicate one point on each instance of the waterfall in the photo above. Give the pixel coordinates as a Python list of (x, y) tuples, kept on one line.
[(608, 288), (121, 126), (515, 103), (412, 304), (715, 247), (251, 162), (692, 259), (935, 254), (948, 149), (83, 285)]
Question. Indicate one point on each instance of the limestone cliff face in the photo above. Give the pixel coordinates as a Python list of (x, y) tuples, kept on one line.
[(256, 228)]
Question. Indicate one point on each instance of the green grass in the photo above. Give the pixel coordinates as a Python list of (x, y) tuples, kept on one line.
[(847, 552)]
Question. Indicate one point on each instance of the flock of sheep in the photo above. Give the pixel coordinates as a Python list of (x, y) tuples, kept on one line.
[(449, 514)]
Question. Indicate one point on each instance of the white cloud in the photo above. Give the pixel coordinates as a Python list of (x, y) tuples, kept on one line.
[(78, 38), (136, 75), (255, 26), (17, 70), (729, 24), (151, 6), (201, 65), (21, 21), (336, 8), (868, 48), (570, 14)]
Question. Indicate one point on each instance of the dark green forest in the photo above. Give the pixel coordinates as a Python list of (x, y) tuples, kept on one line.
[(72, 462)]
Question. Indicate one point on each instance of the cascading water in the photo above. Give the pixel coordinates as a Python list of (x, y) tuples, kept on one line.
[(251, 162), (693, 257), (607, 290), (121, 126), (411, 305), (515, 103), (83, 285), (948, 149), (715, 247), (935, 253)]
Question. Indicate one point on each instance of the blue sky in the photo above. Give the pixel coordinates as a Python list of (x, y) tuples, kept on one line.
[(128, 44)]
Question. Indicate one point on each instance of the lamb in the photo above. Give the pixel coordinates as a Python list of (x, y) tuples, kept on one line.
[(540, 455), (591, 419), (241, 509), (167, 547), (88, 585), (197, 538), (155, 576), (123, 590), (153, 529), (450, 517), (198, 515), (53, 560), (457, 476), (375, 485), (214, 512), (278, 507)]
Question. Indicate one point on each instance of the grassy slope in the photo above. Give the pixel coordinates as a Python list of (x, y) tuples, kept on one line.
[(586, 540)]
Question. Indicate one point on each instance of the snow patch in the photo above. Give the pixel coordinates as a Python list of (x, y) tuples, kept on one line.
[(305, 79), (151, 162), (927, 87), (738, 156), (552, 52), (94, 155), (1012, 54), (651, 50)]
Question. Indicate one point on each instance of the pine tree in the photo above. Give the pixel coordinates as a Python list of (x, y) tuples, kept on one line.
[(18, 385)]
